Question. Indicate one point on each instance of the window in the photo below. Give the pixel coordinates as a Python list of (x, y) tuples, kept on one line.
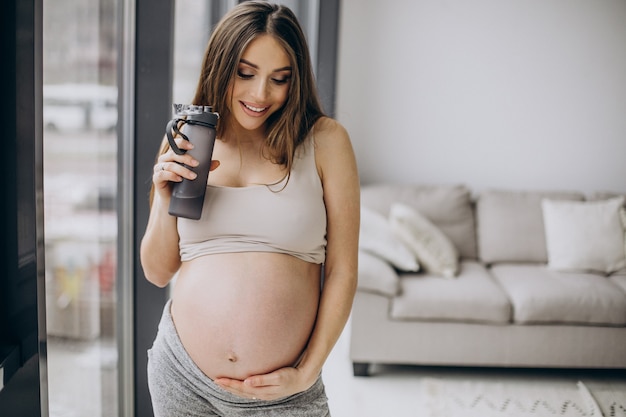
[(80, 176)]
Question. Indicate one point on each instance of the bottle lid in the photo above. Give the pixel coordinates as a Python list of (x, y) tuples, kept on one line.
[(189, 109)]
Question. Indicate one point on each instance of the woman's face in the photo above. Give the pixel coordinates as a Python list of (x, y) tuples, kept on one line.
[(261, 83)]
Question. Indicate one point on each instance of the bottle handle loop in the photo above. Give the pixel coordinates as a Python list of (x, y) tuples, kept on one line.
[(171, 130)]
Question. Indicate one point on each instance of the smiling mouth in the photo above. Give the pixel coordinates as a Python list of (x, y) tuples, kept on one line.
[(255, 109)]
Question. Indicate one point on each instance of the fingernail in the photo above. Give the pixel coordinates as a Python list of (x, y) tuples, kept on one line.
[(193, 175)]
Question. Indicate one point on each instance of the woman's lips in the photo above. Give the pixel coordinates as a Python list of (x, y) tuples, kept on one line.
[(252, 110)]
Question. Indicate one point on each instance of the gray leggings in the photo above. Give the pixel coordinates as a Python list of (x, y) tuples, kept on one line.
[(179, 388)]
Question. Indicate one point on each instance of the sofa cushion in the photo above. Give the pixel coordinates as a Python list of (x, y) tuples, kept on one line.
[(449, 207), (509, 225), (585, 235), (619, 279), (473, 296), (541, 295), (377, 237), (433, 249), (605, 195), (377, 275)]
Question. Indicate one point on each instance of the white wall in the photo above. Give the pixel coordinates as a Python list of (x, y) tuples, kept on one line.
[(518, 94)]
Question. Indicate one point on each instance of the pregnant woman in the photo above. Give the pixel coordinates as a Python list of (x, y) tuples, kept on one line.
[(266, 277)]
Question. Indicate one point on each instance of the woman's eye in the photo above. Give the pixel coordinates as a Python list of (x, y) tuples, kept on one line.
[(244, 75), (280, 81)]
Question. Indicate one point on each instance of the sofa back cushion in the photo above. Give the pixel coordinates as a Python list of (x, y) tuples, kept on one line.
[(510, 225), (606, 195), (449, 207)]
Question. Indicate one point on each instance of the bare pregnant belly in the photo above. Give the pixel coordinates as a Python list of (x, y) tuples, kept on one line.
[(243, 314)]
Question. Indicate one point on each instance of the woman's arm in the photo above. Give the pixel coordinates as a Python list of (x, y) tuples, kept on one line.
[(338, 171), (160, 257)]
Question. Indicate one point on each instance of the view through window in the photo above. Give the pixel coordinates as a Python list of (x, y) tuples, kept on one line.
[(80, 177)]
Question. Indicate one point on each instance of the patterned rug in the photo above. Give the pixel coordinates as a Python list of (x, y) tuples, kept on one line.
[(515, 399)]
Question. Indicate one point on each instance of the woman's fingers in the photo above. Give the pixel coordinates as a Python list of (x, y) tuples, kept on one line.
[(166, 170), (171, 167), (185, 158)]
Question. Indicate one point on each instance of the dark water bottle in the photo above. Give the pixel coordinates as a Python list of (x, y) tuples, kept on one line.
[(197, 125)]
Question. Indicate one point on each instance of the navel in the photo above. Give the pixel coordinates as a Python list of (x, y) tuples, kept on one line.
[(232, 358)]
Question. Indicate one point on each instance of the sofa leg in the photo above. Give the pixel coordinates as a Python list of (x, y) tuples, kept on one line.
[(361, 368)]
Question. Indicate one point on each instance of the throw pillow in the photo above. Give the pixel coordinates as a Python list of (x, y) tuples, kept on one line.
[(584, 235), (377, 238), (377, 275), (434, 250)]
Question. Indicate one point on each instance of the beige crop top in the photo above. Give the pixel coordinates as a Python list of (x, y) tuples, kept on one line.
[(263, 218)]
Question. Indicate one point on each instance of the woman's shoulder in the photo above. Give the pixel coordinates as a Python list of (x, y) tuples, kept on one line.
[(333, 149), (328, 132)]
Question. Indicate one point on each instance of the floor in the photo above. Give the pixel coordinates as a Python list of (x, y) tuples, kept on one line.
[(82, 378), (87, 385)]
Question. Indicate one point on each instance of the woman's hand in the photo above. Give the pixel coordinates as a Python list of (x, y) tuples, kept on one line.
[(160, 257), (278, 384), (169, 168)]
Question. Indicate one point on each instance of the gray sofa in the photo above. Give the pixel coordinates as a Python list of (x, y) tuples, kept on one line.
[(511, 300)]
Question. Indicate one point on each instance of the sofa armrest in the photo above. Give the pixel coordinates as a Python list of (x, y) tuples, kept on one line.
[(377, 276)]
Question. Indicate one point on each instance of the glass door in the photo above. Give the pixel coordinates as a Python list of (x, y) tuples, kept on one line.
[(80, 116)]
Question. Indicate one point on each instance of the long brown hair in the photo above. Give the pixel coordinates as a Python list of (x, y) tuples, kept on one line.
[(290, 125)]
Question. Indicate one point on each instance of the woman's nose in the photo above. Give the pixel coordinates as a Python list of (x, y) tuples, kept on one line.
[(259, 91)]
